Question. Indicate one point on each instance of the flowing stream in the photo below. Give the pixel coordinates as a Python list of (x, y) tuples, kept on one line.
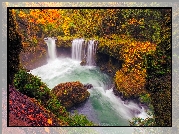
[(102, 107)]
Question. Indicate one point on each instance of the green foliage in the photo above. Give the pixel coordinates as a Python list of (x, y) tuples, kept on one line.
[(143, 122), (31, 86), (145, 98), (149, 121), (79, 120), (54, 106), (162, 103), (142, 24), (159, 73)]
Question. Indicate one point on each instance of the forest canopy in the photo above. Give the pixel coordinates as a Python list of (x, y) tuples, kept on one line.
[(93, 22)]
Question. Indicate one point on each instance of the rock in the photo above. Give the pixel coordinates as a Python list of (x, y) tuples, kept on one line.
[(70, 93), (83, 63), (116, 92), (135, 112), (88, 86)]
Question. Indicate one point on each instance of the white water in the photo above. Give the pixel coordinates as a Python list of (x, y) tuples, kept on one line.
[(103, 107), (51, 47), (77, 46), (79, 52), (91, 51)]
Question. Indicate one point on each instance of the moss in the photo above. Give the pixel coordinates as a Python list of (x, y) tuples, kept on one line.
[(70, 93), (64, 41)]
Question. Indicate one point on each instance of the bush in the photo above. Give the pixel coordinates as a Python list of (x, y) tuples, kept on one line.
[(70, 93), (31, 86), (145, 98), (55, 107), (79, 120)]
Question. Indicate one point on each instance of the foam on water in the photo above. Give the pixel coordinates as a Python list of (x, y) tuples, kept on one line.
[(106, 107)]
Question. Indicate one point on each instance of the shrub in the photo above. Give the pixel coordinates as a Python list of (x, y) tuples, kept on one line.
[(70, 93), (79, 120), (145, 98), (130, 84), (31, 86), (55, 107)]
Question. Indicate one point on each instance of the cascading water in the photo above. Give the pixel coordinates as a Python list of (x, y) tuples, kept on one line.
[(102, 107), (91, 51), (51, 47), (80, 53), (77, 46)]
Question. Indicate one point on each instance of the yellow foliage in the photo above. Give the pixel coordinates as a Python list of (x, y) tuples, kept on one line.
[(49, 121), (130, 80)]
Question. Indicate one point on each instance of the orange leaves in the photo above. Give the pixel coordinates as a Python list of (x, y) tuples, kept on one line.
[(10, 102), (135, 21), (134, 51), (41, 21), (131, 83), (131, 78), (132, 21), (43, 17), (31, 117), (49, 121), (22, 14)]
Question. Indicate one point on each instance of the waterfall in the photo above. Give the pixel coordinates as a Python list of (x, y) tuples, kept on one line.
[(91, 51), (77, 48), (51, 47), (82, 51)]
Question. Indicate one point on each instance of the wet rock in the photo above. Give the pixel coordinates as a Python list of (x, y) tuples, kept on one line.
[(83, 63), (88, 86), (135, 112)]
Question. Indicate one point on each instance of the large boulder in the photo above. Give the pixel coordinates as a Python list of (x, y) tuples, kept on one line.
[(70, 93)]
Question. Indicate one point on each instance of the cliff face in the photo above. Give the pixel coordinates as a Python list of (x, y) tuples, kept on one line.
[(108, 64)]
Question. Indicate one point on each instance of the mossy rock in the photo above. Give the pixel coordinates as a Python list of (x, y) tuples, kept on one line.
[(70, 93)]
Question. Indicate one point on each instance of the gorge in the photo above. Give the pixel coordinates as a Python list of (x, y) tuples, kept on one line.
[(102, 107)]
